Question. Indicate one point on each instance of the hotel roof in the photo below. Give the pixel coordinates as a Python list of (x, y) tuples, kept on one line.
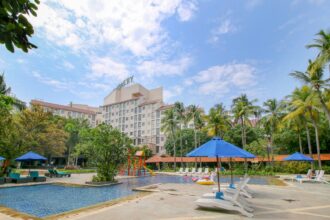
[(61, 107)]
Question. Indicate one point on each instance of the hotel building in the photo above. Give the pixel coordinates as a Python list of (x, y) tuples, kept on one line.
[(137, 112), (92, 114)]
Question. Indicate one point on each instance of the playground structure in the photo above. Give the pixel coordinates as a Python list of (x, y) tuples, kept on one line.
[(136, 165)]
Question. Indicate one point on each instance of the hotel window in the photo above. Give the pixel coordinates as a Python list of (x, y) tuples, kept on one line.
[(131, 133), (157, 131), (139, 117), (140, 110), (157, 140), (158, 114), (131, 117), (126, 118)]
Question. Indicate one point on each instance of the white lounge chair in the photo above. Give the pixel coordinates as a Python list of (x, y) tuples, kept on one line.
[(186, 171), (199, 171), (206, 171), (308, 175), (318, 179), (180, 170), (245, 190), (233, 204), (240, 201), (193, 171)]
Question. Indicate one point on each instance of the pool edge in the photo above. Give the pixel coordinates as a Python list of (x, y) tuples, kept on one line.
[(97, 206)]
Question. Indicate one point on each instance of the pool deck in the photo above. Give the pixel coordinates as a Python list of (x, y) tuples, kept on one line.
[(176, 202)]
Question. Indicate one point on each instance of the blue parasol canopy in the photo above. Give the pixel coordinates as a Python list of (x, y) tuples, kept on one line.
[(1, 158), (31, 156), (298, 157), (217, 147)]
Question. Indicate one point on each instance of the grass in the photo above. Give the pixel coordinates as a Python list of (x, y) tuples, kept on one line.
[(79, 171)]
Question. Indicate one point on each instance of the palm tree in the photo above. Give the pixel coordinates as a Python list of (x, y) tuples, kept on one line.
[(323, 45), (304, 102), (314, 77), (4, 90), (242, 109), (195, 114), (297, 124), (169, 126), (180, 112), (271, 119), (218, 120)]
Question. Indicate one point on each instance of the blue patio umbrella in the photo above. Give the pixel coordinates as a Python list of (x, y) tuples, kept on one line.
[(2, 158), (219, 148), (31, 156), (298, 157)]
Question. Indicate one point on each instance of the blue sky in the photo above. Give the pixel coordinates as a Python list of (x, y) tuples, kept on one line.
[(201, 52)]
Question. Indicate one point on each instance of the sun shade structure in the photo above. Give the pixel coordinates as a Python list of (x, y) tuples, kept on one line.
[(2, 158), (31, 156), (219, 148), (298, 157)]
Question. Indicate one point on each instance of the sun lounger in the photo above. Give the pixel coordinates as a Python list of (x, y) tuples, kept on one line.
[(56, 173), (180, 170), (206, 171), (232, 204), (16, 178), (193, 171), (229, 196), (35, 176), (186, 171), (318, 179), (199, 171)]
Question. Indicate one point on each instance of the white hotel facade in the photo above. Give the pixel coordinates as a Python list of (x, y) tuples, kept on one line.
[(131, 108), (137, 112)]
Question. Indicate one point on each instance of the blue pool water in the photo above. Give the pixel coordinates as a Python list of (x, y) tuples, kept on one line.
[(50, 199)]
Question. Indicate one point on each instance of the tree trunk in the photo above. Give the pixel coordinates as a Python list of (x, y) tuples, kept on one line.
[(317, 143), (195, 140), (181, 146), (309, 145), (300, 144), (174, 151), (324, 106), (242, 124)]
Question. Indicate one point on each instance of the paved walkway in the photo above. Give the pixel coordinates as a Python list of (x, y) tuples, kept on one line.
[(176, 201)]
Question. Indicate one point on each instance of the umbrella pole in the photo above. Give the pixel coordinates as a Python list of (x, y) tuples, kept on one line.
[(231, 171), (218, 173), (245, 163)]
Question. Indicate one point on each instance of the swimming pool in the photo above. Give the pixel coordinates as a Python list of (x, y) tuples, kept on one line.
[(51, 199)]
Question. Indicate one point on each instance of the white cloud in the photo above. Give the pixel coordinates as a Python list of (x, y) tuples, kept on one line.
[(152, 68), (186, 10), (226, 26), (133, 26), (57, 84), (221, 79), (251, 4), (105, 67), (173, 92), (68, 65)]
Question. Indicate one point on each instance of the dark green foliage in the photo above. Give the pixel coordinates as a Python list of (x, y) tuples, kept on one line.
[(187, 141), (15, 29), (106, 148)]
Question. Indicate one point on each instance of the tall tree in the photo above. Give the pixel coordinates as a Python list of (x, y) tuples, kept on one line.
[(271, 119), (304, 102), (314, 77), (180, 112), (218, 121), (170, 126), (15, 29), (322, 43), (74, 126), (242, 109), (195, 114), (41, 132), (4, 89)]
